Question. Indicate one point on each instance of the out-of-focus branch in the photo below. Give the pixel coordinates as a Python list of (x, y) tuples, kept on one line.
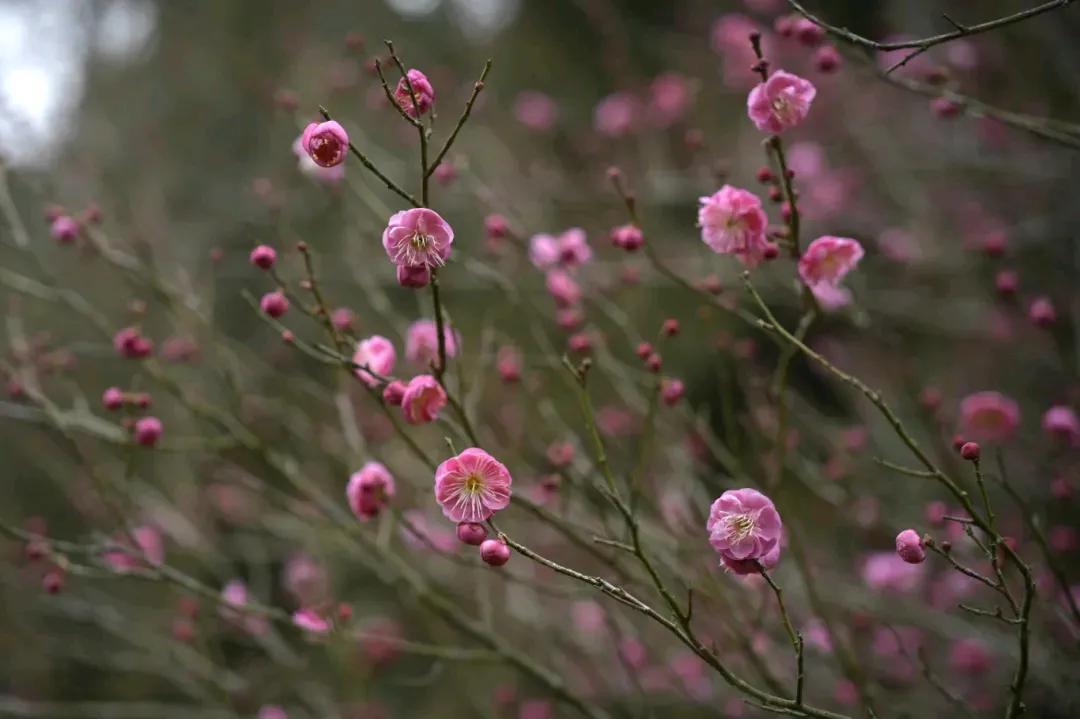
[(922, 45)]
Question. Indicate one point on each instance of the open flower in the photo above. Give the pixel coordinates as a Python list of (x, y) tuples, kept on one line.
[(569, 249), (326, 143), (988, 417), (422, 342), (377, 354), (744, 528), (827, 259), (418, 237), (781, 102), (310, 621), (732, 222), (472, 486), (417, 87), (369, 490), (423, 399)]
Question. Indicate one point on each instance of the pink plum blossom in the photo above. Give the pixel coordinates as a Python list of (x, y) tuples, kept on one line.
[(377, 354), (616, 115), (418, 237), (326, 143), (417, 88), (310, 621), (670, 98), (536, 110), (732, 222), (149, 550), (781, 102), (884, 571), (1061, 421), (828, 259), (422, 342), (569, 249), (744, 528), (909, 547), (988, 417), (423, 399), (314, 170), (369, 490), (472, 486), (563, 288)]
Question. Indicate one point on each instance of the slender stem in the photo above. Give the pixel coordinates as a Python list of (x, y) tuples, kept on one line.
[(390, 184), (928, 42), (461, 120), (793, 635)]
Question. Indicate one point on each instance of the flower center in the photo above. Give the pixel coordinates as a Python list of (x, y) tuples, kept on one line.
[(473, 484), (740, 525), (783, 108), (325, 149), (420, 241)]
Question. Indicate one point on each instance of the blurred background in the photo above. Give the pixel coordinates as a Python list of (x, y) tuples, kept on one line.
[(167, 130)]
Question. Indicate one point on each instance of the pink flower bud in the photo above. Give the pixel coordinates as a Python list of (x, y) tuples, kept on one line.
[(263, 257), (274, 304), (445, 173), (113, 398), (64, 229), (1041, 312), (495, 552), (1006, 282), (393, 393), (909, 547), (827, 60), (808, 32), (627, 237), (148, 431), (343, 319), (129, 343), (496, 227), (671, 391), (413, 277), (643, 350), (53, 581), (654, 362), (472, 533), (945, 108), (970, 451), (670, 328)]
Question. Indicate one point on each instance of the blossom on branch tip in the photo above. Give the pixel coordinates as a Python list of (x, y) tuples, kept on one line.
[(732, 222), (909, 547), (369, 490), (310, 621), (64, 229), (424, 397), (326, 143), (828, 259), (1061, 421), (744, 529), (274, 304), (781, 102), (148, 431), (417, 87), (569, 249), (377, 354), (418, 237), (472, 486)]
